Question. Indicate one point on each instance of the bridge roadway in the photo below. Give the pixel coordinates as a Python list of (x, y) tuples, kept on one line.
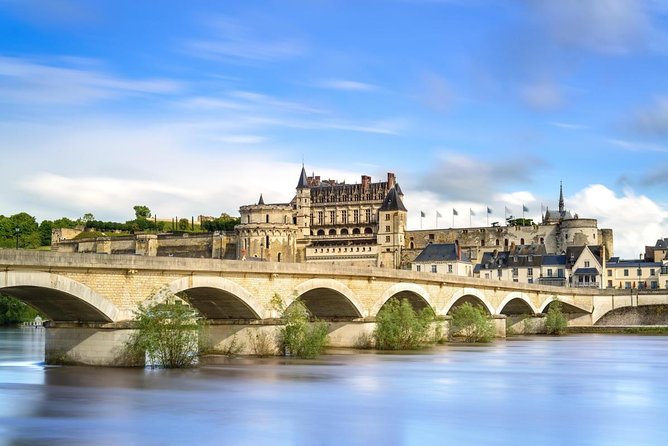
[(102, 291)]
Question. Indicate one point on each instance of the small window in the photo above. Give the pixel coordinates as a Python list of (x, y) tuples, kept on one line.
[(639, 272), (450, 269), (387, 216), (586, 263), (417, 267), (387, 238), (626, 273), (433, 268), (609, 273), (387, 229)]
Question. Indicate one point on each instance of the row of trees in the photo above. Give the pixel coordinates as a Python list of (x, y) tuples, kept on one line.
[(24, 230)]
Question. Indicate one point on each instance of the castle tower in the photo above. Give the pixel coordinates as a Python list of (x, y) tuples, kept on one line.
[(303, 205), (391, 229)]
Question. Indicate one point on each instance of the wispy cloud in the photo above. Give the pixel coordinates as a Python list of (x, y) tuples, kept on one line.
[(542, 95), (569, 126), (346, 85), (634, 146), (25, 81), (235, 42), (653, 120)]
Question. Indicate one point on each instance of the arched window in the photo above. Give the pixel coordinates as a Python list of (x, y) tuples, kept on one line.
[(412, 245), (542, 241), (344, 231), (356, 231), (332, 232), (321, 232), (267, 218), (505, 243), (497, 242), (279, 256), (368, 231), (521, 241)]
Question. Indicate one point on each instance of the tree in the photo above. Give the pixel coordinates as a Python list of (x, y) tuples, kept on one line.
[(167, 334), (13, 311), (400, 327), (183, 224), (299, 337), (555, 321), (471, 323), (87, 218), (142, 212), (45, 230)]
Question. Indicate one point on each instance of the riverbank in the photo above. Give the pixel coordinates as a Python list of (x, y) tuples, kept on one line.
[(650, 330)]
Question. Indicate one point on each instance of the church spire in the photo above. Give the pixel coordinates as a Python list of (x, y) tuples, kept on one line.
[(561, 197), (261, 200), (303, 181)]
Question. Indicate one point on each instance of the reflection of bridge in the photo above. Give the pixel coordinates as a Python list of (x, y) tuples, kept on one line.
[(101, 291)]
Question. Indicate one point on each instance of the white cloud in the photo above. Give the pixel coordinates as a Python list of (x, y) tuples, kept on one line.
[(635, 219), (346, 85)]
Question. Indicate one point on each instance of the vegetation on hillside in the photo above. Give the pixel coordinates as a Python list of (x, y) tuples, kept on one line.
[(400, 327), (13, 311)]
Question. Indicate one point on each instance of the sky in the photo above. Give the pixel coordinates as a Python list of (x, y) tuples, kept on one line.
[(196, 108)]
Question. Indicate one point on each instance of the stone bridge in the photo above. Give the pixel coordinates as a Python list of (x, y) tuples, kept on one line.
[(101, 291)]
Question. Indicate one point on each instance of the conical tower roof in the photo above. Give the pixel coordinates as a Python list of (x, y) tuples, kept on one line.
[(261, 200), (303, 181), (393, 201)]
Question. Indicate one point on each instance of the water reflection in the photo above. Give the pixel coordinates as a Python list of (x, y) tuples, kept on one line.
[(578, 390)]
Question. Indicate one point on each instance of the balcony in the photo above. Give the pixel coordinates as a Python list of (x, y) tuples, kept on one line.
[(552, 281)]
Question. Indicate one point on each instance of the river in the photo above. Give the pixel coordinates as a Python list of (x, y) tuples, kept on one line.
[(574, 390)]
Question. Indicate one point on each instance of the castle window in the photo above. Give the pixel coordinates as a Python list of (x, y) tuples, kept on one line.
[(542, 241), (356, 231), (332, 232), (344, 217), (482, 242), (521, 241), (344, 231), (368, 231), (387, 216), (412, 245), (321, 232), (321, 218), (266, 241), (356, 216), (279, 256), (433, 268), (332, 217), (505, 242), (497, 242), (417, 268), (387, 229), (367, 215), (266, 218)]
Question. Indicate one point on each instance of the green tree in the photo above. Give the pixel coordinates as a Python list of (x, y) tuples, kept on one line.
[(87, 218), (555, 321), (167, 334), (142, 212), (28, 231), (13, 311), (45, 230), (471, 323), (183, 224), (299, 336), (400, 327), (64, 222)]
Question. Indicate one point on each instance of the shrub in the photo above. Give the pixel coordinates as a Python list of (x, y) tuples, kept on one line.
[(471, 323), (555, 321), (261, 343), (299, 337), (167, 334), (400, 327)]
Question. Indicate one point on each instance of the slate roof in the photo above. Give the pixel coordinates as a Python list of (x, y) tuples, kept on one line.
[(662, 243), (440, 252), (261, 200), (393, 202), (303, 181), (574, 252), (586, 272), (631, 264), (554, 259), (493, 260)]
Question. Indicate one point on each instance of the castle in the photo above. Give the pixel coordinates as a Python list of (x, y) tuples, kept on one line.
[(362, 224)]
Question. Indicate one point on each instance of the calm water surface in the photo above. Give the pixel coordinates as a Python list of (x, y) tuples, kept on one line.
[(576, 390)]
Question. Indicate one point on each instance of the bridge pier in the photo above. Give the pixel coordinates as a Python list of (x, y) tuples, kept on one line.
[(89, 344)]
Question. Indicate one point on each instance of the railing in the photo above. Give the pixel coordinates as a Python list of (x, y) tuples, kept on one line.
[(585, 285), (552, 281)]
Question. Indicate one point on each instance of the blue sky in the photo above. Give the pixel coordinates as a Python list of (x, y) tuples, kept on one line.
[(198, 107)]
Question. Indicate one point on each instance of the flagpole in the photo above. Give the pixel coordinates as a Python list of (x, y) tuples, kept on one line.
[(487, 215), (470, 215), (436, 219)]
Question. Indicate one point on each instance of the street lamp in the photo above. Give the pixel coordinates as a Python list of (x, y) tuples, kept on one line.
[(17, 231)]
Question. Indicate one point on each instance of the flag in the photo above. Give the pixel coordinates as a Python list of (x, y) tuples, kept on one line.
[(438, 214), (489, 211), (525, 209), (471, 211), (508, 211), (422, 214), (454, 212)]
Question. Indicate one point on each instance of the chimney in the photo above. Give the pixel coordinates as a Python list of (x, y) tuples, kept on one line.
[(366, 180), (391, 180)]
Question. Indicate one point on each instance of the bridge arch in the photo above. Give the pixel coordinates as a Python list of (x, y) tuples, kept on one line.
[(566, 301), (216, 297), (472, 295), (59, 297), (329, 298), (516, 303), (416, 295)]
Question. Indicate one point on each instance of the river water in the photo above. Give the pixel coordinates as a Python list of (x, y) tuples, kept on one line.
[(574, 390)]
